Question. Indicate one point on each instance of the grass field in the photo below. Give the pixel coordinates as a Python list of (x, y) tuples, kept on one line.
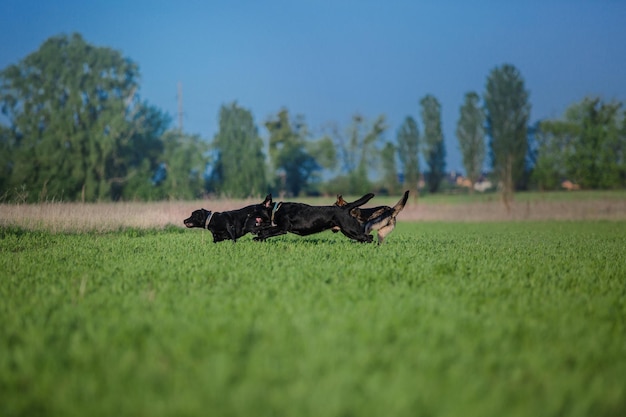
[(445, 319)]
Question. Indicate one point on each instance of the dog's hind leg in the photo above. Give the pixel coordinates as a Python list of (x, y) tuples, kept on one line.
[(384, 231)]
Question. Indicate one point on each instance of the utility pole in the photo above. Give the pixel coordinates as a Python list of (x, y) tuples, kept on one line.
[(179, 96)]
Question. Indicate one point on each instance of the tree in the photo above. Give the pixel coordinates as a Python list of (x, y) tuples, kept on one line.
[(390, 171), (142, 153), (358, 151), (73, 112), (597, 159), (621, 152), (179, 172), (508, 111), (553, 139), (471, 135), (291, 159), (6, 149), (324, 152), (239, 169), (185, 160), (408, 152), (586, 146), (434, 147)]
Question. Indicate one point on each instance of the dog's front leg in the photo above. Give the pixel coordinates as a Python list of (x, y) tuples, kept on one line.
[(230, 228), (269, 232), (359, 236)]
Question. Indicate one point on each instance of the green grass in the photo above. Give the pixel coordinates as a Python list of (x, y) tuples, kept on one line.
[(499, 319)]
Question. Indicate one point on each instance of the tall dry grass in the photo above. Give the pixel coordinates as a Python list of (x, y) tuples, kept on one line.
[(533, 210), (80, 217), (101, 217)]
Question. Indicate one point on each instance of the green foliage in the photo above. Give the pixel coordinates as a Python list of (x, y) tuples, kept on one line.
[(324, 152), (180, 174), (434, 146), (508, 112), (79, 132), (141, 153), (390, 171), (553, 138), (471, 135), (71, 108), (586, 146), (293, 163), (358, 152), (408, 152), (239, 169), (445, 319), (6, 146), (186, 160)]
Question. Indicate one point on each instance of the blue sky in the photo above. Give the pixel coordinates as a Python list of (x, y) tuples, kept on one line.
[(330, 59)]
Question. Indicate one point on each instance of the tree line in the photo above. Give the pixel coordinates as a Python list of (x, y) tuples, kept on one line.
[(74, 127)]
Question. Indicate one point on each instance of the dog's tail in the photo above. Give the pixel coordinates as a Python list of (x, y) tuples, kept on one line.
[(359, 202), (400, 204)]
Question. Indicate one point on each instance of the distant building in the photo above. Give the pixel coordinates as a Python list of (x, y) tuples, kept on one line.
[(570, 186), (482, 185)]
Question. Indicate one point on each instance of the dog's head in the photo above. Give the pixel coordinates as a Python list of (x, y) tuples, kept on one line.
[(258, 217), (257, 220), (267, 203), (198, 218), (355, 212), (340, 201), (261, 216)]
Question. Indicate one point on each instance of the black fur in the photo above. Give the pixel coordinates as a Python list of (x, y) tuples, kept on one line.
[(233, 224), (381, 218), (303, 219)]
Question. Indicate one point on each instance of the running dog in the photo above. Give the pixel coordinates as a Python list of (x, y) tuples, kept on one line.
[(303, 219), (231, 224), (382, 218)]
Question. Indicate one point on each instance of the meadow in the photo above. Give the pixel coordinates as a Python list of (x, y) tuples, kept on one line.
[(446, 319)]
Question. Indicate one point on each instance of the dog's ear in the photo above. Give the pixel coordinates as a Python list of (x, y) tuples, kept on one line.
[(268, 201)]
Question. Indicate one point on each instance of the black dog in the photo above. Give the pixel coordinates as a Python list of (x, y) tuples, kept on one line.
[(231, 224), (303, 219)]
